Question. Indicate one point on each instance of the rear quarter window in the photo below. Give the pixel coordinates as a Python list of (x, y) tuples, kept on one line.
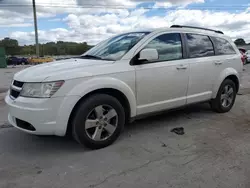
[(222, 46)]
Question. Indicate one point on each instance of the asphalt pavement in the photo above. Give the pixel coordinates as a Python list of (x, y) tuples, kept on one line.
[(213, 152)]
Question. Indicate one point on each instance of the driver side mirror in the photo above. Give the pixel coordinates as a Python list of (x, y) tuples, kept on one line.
[(148, 54)]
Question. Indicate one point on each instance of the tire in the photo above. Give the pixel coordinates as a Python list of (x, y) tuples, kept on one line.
[(218, 104), (88, 111)]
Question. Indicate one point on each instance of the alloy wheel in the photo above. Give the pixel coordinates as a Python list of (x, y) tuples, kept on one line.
[(227, 96), (101, 123)]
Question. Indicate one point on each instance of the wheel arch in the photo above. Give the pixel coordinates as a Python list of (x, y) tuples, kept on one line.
[(119, 95), (228, 73), (235, 79)]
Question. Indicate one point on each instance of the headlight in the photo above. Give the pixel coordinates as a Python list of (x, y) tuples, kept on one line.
[(40, 90)]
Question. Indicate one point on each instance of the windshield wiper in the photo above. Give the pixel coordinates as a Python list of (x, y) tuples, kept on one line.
[(95, 57), (90, 57)]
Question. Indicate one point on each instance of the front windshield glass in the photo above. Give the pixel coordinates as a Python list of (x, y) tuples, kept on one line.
[(116, 47)]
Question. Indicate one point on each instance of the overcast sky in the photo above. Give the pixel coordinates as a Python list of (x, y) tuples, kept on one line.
[(95, 20)]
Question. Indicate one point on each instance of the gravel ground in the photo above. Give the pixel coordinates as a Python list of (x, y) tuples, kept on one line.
[(213, 152), (6, 76)]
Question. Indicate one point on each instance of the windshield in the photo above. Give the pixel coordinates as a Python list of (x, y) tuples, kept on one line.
[(116, 47)]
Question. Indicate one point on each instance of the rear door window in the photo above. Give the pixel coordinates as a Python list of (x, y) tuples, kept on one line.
[(199, 46), (222, 46)]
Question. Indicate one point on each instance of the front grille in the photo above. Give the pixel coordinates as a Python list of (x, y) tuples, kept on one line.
[(17, 83), (15, 89)]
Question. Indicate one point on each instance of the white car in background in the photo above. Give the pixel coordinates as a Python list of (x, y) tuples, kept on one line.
[(248, 56), (122, 78)]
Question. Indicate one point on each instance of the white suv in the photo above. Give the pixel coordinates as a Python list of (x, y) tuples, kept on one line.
[(94, 95)]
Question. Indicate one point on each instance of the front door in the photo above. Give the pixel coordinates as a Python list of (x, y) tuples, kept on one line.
[(162, 84)]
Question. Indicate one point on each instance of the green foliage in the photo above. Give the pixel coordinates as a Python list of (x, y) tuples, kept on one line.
[(51, 48), (240, 42), (10, 45)]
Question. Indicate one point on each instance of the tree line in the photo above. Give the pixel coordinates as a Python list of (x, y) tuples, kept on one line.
[(241, 42), (12, 47)]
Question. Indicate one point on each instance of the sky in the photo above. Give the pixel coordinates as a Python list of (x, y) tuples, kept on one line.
[(92, 21)]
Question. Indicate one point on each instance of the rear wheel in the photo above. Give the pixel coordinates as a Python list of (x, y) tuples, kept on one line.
[(98, 122), (225, 98)]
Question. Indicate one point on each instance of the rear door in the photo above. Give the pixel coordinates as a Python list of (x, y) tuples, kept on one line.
[(201, 56)]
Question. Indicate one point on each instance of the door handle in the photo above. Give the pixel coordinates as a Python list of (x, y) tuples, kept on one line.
[(218, 62), (181, 67)]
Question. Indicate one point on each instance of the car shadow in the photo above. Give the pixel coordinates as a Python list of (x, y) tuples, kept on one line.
[(17, 142), (164, 118)]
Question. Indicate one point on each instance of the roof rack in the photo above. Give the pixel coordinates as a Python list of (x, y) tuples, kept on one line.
[(183, 26)]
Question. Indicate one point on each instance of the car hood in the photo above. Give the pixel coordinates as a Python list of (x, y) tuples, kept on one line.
[(65, 69)]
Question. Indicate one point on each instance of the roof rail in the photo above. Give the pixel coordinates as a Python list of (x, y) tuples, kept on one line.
[(183, 26)]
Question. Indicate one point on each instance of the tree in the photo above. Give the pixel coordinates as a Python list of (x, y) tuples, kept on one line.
[(51, 48), (27, 50), (10, 45), (240, 42)]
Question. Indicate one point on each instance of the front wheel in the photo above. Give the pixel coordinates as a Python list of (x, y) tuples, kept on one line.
[(98, 121), (225, 98)]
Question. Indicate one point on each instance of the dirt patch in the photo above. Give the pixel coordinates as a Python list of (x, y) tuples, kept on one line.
[(5, 125), (2, 95), (244, 91), (3, 90)]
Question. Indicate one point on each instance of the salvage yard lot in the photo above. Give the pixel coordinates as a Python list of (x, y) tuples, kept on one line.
[(213, 152)]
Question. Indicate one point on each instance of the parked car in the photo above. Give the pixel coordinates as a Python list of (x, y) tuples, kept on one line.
[(12, 60), (244, 55), (248, 56), (38, 60), (123, 78)]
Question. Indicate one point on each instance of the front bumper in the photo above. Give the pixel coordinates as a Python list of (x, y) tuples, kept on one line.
[(49, 116)]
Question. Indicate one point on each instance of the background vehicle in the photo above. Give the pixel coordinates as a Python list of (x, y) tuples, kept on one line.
[(248, 56), (16, 60), (38, 60), (122, 78), (244, 56)]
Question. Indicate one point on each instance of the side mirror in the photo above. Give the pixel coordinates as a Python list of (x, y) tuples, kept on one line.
[(148, 54)]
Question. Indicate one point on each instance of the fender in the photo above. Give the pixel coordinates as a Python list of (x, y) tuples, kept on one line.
[(225, 73), (95, 83)]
